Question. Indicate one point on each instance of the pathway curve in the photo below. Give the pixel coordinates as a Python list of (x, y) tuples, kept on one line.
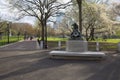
[(22, 45)]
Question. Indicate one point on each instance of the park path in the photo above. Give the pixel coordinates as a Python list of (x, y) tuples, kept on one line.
[(30, 64), (38, 66), (22, 45)]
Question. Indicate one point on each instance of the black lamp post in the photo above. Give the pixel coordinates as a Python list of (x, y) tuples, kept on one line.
[(8, 32), (18, 35)]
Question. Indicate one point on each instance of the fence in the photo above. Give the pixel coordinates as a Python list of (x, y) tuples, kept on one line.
[(92, 46), (102, 46)]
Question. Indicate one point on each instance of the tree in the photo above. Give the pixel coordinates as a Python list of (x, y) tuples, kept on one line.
[(2, 28), (51, 31), (40, 9), (38, 29), (114, 12), (98, 1), (64, 28), (79, 2), (95, 18), (1, 25), (116, 8), (21, 28)]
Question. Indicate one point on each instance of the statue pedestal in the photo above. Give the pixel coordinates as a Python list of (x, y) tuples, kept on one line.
[(76, 49), (119, 47), (76, 46)]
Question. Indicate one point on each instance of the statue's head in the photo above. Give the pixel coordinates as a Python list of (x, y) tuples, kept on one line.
[(75, 26)]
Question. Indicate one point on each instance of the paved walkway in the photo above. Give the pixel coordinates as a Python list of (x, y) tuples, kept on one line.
[(23, 45), (36, 65)]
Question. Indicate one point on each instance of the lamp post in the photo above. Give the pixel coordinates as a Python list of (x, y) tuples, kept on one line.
[(25, 35), (8, 32), (18, 35), (45, 28)]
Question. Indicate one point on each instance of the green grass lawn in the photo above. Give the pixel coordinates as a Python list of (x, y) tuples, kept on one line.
[(113, 40), (108, 40), (56, 39), (105, 45), (12, 39), (98, 40)]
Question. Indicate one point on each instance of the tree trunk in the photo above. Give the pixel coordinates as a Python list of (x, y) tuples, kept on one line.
[(45, 28), (92, 34), (80, 14), (87, 38), (42, 35)]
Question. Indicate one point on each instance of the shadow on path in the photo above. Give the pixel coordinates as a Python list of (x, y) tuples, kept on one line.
[(109, 72), (24, 56), (104, 70), (44, 63)]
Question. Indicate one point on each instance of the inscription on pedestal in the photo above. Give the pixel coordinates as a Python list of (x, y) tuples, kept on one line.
[(76, 46)]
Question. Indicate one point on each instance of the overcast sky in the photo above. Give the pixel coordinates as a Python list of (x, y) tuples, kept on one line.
[(7, 15)]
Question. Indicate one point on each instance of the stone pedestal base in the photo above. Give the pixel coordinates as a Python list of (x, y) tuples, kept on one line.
[(77, 55), (76, 46), (76, 49), (119, 47)]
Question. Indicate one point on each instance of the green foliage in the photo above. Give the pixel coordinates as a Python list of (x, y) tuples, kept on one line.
[(118, 32), (113, 40), (12, 39)]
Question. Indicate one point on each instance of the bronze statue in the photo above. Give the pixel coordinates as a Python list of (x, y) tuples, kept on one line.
[(76, 35)]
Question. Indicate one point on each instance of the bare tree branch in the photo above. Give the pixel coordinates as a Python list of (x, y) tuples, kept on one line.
[(40, 9)]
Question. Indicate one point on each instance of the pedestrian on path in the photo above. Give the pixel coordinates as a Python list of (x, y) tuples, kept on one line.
[(38, 41), (31, 37)]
